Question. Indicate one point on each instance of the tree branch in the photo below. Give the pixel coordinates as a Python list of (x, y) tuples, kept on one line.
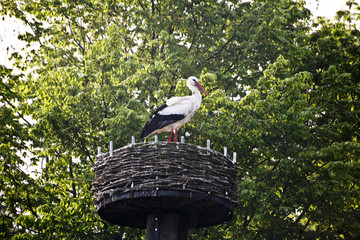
[(13, 107)]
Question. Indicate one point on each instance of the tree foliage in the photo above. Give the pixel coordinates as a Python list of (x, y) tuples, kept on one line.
[(284, 94)]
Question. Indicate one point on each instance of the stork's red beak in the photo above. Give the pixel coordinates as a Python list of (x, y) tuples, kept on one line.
[(201, 88)]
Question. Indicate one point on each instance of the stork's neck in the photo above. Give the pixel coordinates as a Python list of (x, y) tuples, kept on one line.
[(194, 90), (196, 93)]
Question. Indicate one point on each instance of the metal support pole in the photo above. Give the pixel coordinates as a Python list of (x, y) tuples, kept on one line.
[(156, 228), (166, 226)]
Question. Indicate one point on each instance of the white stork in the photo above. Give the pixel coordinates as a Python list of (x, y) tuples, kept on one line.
[(175, 112)]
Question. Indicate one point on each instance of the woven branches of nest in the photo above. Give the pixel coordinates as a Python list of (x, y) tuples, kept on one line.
[(162, 165)]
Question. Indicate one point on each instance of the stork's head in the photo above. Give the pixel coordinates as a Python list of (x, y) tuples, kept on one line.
[(194, 82)]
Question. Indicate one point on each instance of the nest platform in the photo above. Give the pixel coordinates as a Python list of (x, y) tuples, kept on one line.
[(144, 179)]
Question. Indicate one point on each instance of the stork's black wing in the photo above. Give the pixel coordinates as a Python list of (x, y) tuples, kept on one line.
[(159, 121)]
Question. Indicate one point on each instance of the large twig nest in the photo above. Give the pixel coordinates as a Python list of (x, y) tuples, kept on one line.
[(148, 178)]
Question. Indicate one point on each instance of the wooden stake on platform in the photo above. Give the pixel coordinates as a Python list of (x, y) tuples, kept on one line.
[(111, 149)]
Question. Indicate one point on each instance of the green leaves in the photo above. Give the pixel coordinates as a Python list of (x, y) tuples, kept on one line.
[(298, 150), (283, 96)]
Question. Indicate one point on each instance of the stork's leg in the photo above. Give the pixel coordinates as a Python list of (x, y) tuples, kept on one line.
[(169, 138), (176, 135)]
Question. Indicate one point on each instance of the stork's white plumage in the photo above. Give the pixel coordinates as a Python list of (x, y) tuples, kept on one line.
[(175, 112)]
